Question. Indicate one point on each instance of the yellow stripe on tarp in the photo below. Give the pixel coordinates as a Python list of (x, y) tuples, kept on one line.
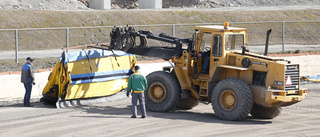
[(100, 65), (99, 89)]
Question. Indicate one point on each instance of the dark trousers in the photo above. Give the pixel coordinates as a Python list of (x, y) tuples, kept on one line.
[(205, 64), (135, 98), (28, 88)]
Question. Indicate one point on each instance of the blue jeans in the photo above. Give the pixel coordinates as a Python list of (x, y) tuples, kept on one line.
[(135, 98), (205, 64), (28, 88)]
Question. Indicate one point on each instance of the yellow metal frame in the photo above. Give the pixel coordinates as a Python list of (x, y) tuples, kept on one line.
[(61, 76), (281, 99)]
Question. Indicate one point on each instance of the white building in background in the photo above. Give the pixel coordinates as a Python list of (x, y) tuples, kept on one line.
[(100, 4), (143, 4), (150, 4)]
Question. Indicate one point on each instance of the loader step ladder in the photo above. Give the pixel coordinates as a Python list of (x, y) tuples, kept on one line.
[(203, 89)]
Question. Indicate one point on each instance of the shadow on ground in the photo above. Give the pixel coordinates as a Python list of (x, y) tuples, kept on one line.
[(173, 115)]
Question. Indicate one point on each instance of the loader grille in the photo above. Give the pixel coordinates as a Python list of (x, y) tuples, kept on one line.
[(292, 79)]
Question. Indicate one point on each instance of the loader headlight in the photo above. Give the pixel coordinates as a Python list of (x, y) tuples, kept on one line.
[(245, 62)]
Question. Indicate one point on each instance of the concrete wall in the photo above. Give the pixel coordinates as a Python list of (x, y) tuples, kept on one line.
[(100, 4), (12, 90), (150, 4)]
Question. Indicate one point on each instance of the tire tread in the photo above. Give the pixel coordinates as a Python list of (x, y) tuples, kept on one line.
[(247, 98), (173, 91)]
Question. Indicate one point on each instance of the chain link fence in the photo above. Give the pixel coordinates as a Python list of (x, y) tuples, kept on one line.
[(283, 33)]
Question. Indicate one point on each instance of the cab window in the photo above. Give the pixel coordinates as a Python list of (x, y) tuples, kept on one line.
[(217, 44), (206, 42), (234, 41)]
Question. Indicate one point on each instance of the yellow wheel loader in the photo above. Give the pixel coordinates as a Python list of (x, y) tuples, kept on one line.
[(214, 66)]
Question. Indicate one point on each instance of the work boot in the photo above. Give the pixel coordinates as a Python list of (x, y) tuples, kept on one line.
[(143, 116), (133, 116), (28, 105)]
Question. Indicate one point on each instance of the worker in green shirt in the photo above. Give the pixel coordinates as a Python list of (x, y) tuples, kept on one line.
[(137, 84)]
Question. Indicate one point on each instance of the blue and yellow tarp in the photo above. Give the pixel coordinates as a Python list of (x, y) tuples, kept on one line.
[(314, 78), (88, 74)]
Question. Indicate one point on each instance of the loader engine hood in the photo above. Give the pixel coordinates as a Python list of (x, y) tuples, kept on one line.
[(259, 56)]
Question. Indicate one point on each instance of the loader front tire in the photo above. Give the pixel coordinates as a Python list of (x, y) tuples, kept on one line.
[(264, 112), (232, 99), (187, 103), (163, 93)]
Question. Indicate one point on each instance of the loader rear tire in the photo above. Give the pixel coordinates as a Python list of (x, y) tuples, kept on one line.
[(163, 93), (232, 99), (264, 112)]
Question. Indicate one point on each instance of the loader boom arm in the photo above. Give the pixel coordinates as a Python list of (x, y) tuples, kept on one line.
[(125, 39)]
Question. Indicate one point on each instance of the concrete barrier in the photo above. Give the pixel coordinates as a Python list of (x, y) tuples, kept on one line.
[(12, 90)]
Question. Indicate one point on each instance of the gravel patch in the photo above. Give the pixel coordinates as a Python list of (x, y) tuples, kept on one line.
[(42, 5), (133, 4)]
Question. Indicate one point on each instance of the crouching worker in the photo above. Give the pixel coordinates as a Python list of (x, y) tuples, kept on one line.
[(137, 84)]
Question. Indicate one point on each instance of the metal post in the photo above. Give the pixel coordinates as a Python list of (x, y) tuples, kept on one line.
[(67, 39), (173, 32), (16, 46), (283, 35)]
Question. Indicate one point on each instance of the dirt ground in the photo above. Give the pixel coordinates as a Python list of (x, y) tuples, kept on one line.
[(113, 119)]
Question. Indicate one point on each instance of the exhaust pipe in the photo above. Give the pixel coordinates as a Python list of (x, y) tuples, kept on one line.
[(267, 43)]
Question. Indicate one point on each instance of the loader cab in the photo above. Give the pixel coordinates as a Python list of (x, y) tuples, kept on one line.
[(234, 42), (212, 43)]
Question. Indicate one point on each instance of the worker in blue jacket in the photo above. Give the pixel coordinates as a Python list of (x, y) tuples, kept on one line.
[(27, 78), (206, 61), (137, 85)]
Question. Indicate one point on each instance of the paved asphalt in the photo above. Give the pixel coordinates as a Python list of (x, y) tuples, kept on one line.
[(57, 52)]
